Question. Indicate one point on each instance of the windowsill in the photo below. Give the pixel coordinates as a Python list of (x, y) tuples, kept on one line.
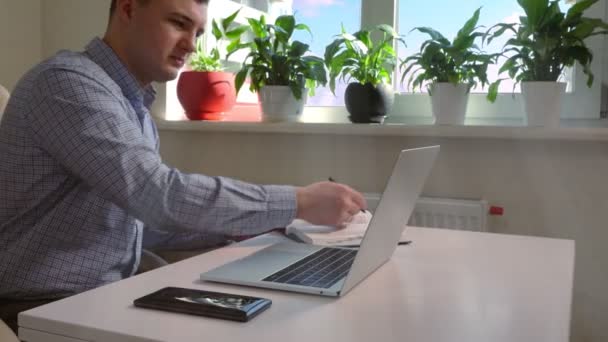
[(248, 120)]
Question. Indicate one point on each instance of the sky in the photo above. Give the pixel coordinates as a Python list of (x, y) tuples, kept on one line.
[(325, 17), (447, 16)]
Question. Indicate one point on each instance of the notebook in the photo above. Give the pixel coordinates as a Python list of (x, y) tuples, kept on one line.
[(352, 233), (334, 271)]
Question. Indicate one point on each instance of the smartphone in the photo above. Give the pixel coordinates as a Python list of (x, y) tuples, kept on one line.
[(204, 303)]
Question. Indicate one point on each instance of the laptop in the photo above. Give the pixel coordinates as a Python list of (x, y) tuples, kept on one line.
[(334, 271)]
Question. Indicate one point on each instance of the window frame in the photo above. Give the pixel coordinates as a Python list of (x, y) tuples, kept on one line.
[(581, 103)]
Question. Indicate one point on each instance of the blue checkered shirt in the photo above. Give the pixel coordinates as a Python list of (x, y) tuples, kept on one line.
[(80, 175)]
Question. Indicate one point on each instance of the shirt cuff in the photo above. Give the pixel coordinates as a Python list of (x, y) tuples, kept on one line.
[(282, 205)]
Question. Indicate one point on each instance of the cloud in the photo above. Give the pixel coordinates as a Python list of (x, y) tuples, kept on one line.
[(312, 8), (512, 19), (319, 2)]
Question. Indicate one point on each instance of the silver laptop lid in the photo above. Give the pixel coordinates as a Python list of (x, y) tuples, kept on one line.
[(393, 212)]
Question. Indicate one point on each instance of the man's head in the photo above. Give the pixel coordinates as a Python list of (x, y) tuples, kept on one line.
[(155, 37)]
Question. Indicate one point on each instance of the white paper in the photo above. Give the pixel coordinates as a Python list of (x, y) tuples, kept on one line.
[(330, 236)]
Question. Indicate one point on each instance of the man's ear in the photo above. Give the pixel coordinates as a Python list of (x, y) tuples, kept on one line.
[(124, 10)]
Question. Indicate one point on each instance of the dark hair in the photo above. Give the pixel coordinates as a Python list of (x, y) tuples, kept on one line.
[(113, 5)]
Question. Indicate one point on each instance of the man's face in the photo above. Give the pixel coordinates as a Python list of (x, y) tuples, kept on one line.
[(161, 35)]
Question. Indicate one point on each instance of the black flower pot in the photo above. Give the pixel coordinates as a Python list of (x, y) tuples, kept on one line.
[(367, 103)]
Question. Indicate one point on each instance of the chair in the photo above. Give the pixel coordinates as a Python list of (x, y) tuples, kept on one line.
[(150, 261), (4, 95), (6, 334)]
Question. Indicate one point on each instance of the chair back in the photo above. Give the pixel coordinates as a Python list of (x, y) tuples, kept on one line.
[(4, 95)]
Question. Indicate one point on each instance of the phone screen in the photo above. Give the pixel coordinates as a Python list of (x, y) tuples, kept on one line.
[(218, 300)]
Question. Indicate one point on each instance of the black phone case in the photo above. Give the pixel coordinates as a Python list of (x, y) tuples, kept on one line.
[(167, 299)]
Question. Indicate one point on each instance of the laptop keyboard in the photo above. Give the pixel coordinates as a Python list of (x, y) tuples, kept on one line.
[(321, 269)]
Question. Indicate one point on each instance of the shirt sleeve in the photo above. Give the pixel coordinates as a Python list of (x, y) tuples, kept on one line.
[(158, 239), (86, 128)]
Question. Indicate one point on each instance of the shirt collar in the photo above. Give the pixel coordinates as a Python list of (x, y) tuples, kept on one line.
[(103, 55)]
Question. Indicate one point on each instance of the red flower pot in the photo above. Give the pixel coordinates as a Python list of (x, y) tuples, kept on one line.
[(206, 95)]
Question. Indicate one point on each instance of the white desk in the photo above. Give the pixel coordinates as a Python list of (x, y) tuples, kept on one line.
[(446, 286)]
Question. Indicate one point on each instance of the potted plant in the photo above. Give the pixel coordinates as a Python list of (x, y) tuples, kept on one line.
[(278, 68), (449, 70), (206, 91), (545, 42), (358, 57)]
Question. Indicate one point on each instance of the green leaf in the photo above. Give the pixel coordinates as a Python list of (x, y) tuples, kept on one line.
[(311, 85), (298, 49), (275, 60), (508, 65), (257, 27), (463, 43), (313, 59), (296, 89), (365, 38), (470, 25), (590, 77), (230, 19), (439, 60), (262, 46), (586, 27), (535, 9), (282, 37), (215, 30), (237, 32), (303, 27), (579, 53), (354, 44), (435, 35), (493, 91), (236, 46), (502, 28), (388, 30), (359, 57), (579, 7), (239, 80), (315, 69), (332, 49), (287, 23)]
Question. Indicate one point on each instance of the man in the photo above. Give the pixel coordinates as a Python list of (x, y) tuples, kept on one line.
[(81, 174)]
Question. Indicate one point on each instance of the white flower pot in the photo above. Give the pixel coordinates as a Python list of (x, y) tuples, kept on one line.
[(449, 103), (543, 102), (279, 105)]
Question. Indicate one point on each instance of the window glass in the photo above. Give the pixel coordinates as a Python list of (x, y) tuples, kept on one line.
[(325, 17), (448, 16)]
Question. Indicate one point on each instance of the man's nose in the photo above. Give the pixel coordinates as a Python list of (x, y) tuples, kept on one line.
[(189, 44)]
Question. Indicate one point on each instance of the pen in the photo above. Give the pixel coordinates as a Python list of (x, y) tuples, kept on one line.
[(333, 181), (401, 243)]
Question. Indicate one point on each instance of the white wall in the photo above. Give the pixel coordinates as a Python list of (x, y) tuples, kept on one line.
[(31, 30), (556, 189), (71, 24), (551, 189), (20, 38)]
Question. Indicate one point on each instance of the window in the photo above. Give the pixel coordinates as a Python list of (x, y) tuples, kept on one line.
[(418, 13), (325, 17), (448, 16), (218, 9)]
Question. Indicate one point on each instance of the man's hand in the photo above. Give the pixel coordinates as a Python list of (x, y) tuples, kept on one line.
[(328, 203)]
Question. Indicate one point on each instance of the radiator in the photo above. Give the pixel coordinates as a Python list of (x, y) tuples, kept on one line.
[(444, 213)]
